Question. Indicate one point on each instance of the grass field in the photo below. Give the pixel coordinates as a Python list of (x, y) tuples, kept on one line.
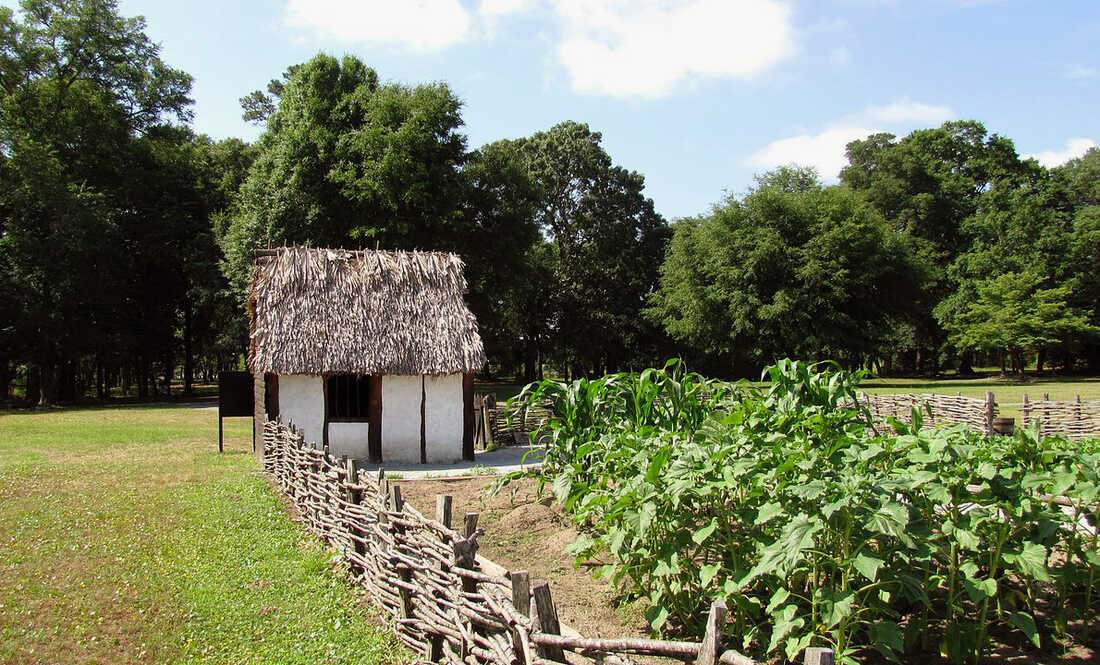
[(127, 538)]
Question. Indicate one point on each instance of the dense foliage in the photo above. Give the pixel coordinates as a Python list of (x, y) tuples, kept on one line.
[(816, 529), (126, 241), (792, 268)]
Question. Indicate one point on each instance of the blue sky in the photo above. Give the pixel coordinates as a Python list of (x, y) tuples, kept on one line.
[(697, 95)]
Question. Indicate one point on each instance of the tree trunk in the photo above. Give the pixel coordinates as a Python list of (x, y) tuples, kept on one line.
[(1017, 361), (45, 385), (1004, 370), (188, 361), (5, 380), (143, 378), (1040, 360), (966, 363), (100, 387)]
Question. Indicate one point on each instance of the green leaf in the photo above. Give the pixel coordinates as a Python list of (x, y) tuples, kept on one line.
[(702, 534), (979, 590), (868, 565), (778, 598), (886, 634), (891, 519), (836, 607), (1026, 623), (768, 511), (707, 573), (1063, 480), (796, 644), (657, 616), (967, 540), (785, 621), (656, 465), (1031, 561)]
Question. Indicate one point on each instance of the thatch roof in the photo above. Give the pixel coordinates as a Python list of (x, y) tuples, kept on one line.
[(320, 311)]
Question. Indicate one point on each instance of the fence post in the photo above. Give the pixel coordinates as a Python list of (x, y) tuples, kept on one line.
[(354, 497), (488, 425), (819, 656), (443, 511), (465, 551), (546, 620), (521, 600), (1078, 426), (397, 505), (1026, 410), (711, 648), (990, 407)]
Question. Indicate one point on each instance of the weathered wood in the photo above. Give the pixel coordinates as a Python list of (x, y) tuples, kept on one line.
[(444, 504), (423, 419), (325, 418), (546, 619), (990, 407), (711, 647), (488, 428), (521, 591), (374, 418), (468, 416), (818, 656), (470, 524)]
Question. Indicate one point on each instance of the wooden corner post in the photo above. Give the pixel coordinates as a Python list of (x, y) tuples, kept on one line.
[(468, 416), (374, 416)]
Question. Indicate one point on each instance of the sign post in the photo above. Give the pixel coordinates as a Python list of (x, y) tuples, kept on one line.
[(235, 400)]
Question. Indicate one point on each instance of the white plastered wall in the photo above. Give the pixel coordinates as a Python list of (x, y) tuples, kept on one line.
[(349, 439), (401, 419), (443, 418), (302, 403)]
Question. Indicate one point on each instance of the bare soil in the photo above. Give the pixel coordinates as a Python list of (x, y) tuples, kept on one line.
[(524, 531)]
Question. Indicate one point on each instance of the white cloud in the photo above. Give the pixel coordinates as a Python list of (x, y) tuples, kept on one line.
[(490, 8), (644, 49), (1075, 147), (418, 25), (1079, 72), (840, 56), (824, 151), (906, 111)]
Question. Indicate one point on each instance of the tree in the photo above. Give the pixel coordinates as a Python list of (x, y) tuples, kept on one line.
[(1012, 313), (498, 212), (792, 269), (346, 161), (81, 85), (925, 185), (609, 242)]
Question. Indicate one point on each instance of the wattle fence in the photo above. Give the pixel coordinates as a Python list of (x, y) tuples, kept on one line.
[(447, 604), (1076, 420)]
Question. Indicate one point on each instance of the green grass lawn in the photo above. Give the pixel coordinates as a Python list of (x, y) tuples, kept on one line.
[(126, 538)]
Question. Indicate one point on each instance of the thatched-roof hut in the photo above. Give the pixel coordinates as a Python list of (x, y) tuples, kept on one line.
[(370, 353)]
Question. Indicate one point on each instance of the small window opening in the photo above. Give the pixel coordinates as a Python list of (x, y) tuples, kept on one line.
[(349, 397)]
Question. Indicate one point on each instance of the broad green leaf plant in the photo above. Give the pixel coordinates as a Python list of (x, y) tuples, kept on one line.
[(815, 529)]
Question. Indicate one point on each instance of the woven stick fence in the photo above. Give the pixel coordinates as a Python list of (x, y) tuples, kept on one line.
[(936, 409), (501, 424), (447, 604), (1076, 420)]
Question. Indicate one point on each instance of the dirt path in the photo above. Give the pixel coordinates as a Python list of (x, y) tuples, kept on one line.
[(524, 533)]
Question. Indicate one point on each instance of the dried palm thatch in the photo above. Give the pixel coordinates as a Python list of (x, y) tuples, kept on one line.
[(322, 311)]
